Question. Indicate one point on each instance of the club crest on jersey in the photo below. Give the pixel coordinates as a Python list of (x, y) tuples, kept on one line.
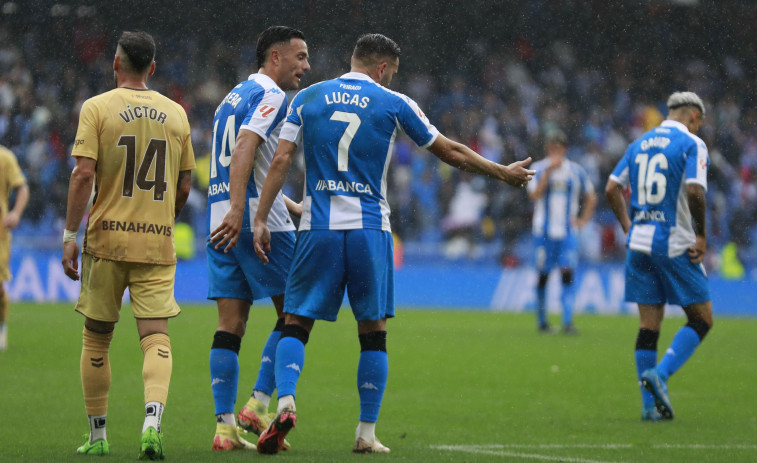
[(347, 187), (266, 110)]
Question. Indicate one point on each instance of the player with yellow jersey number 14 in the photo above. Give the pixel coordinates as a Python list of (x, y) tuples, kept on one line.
[(134, 144)]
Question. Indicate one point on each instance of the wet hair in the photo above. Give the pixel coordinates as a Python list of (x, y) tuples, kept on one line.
[(271, 36), (372, 47), (556, 136), (139, 49), (681, 99)]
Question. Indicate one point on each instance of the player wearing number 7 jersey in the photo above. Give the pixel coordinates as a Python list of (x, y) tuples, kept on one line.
[(134, 144), (667, 171), (347, 127)]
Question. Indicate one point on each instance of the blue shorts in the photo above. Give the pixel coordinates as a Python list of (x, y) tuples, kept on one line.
[(660, 279), (241, 275), (549, 254), (327, 261)]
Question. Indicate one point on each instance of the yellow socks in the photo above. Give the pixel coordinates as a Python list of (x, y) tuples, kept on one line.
[(156, 370), (95, 371)]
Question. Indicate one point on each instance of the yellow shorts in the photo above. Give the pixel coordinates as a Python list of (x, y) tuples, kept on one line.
[(103, 283), (5, 255)]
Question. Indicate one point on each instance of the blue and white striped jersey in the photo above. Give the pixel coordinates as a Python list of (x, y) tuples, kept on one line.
[(658, 166), (347, 127), (259, 105), (554, 212)]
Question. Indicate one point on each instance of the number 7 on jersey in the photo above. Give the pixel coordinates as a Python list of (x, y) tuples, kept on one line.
[(353, 123)]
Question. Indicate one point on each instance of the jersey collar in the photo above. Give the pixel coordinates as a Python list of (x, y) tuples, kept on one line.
[(357, 76), (259, 76), (676, 124)]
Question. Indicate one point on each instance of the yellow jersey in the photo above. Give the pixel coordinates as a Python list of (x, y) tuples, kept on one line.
[(10, 178), (141, 141)]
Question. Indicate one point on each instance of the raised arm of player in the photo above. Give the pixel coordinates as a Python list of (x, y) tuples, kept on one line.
[(277, 174), (240, 170), (460, 156), (79, 191), (614, 195), (11, 219), (698, 208)]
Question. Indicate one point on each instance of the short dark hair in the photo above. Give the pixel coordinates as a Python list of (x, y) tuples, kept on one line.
[(139, 48), (375, 46), (272, 35), (556, 136)]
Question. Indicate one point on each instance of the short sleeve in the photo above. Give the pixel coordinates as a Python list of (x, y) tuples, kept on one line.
[(15, 176), (187, 151), (265, 113), (292, 129), (415, 124), (697, 163), (586, 185), (87, 142), (620, 174)]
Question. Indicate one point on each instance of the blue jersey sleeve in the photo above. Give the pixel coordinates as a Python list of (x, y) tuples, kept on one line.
[(697, 162), (586, 185), (265, 111), (292, 129), (415, 124), (621, 174)]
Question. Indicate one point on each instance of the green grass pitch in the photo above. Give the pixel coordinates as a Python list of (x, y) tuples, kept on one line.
[(463, 387)]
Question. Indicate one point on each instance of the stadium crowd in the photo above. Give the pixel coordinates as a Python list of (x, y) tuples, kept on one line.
[(499, 87)]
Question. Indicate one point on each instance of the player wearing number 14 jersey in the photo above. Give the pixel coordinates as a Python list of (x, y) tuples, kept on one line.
[(347, 127), (667, 171), (245, 134), (134, 144)]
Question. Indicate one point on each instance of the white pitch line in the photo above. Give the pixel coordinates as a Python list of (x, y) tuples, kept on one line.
[(707, 446), (549, 446), (501, 453)]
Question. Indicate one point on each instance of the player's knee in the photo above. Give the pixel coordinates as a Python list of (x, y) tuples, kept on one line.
[(280, 323), (647, 339), (567, 277), (543, 277), (700, 326), (375, 340), (295, 331), (226, 340)]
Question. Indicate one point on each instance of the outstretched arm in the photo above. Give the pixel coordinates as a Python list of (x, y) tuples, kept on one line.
[(277, 174), (460, 156), (614, 195)]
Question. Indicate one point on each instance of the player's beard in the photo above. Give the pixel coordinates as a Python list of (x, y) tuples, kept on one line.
[(115, 78)]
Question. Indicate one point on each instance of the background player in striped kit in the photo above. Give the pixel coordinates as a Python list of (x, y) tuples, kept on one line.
[(558, 185), (667, 238)]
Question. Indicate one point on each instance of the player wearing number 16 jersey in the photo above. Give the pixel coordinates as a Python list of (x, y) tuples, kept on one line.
[(347, 127), (667, 171), (134, 145)]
